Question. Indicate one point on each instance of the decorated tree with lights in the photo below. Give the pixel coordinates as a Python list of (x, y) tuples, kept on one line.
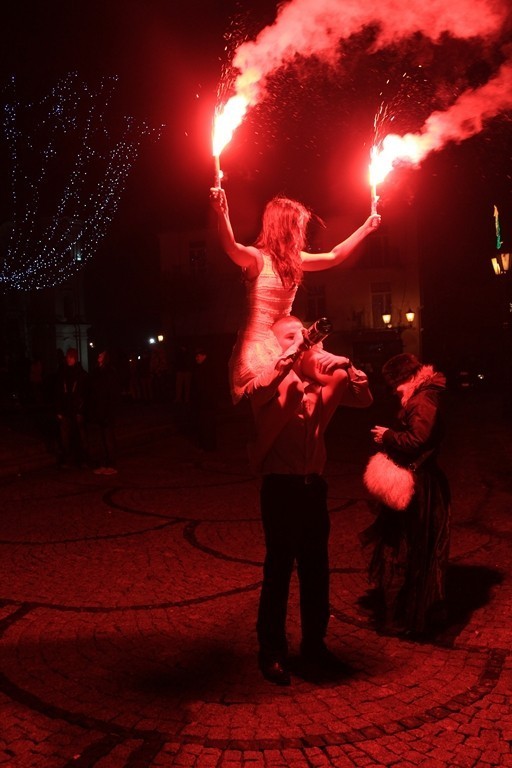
[(69, 156)]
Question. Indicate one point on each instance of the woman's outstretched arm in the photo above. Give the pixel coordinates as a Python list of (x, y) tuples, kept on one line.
[(245, 256), (313, 262)]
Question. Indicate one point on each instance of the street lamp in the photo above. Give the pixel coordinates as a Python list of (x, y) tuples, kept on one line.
[(386, 319), (501, 263)]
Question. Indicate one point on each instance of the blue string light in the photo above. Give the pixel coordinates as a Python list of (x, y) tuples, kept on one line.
[(67, 173)]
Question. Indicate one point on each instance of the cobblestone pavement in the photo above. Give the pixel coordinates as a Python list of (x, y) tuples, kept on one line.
[(128, 603)]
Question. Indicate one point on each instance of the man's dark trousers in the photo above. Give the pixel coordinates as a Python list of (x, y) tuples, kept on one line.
[(296, 526)]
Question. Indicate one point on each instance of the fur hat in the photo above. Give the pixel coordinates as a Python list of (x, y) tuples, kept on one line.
[(400, 368)]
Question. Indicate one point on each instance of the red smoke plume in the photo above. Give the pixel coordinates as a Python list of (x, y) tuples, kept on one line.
[(463, 119), (315, 27)]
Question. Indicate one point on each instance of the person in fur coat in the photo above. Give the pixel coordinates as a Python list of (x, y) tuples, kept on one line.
[(410, 547)]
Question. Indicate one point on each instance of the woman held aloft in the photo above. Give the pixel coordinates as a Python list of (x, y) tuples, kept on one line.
[(273, 269), (410, 554)]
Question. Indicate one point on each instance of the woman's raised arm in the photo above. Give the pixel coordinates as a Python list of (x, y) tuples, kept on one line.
[(245, 256), (313, 262)]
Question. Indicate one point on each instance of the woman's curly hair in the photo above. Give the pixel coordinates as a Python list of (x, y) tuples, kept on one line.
[(283, 237)]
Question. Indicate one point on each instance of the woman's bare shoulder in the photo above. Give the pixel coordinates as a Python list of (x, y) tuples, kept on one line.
[(254, 268)]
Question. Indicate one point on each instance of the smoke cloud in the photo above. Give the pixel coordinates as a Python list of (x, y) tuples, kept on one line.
[(316, 27), (467, 115)]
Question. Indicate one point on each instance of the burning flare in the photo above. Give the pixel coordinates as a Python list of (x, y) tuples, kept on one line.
[(227, 119), (316, 27), (465, 118), (393, 149)]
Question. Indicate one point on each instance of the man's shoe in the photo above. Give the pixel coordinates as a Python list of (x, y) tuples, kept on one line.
[(274, 671)]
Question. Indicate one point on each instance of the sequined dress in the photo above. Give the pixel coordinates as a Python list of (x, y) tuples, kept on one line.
[(256, 346)]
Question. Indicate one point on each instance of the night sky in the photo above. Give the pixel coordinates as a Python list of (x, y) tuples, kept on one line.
[(166, 58), (310, 138)]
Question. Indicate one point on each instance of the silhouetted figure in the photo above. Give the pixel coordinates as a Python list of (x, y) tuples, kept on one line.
[(70, 403), (36, 381), (104, 399), (20, 373), (159, 370), (134, 378), (183, 377), (144, 376), (203, 402)]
